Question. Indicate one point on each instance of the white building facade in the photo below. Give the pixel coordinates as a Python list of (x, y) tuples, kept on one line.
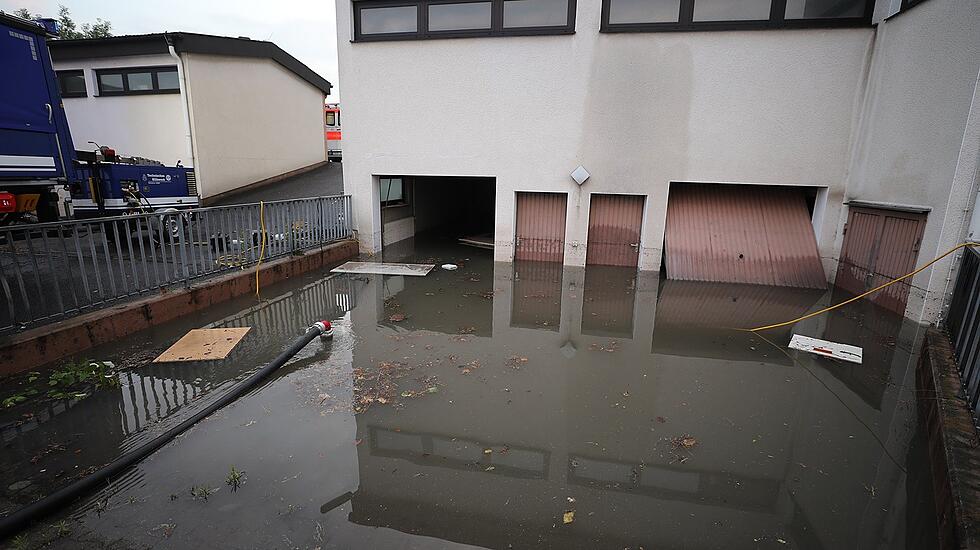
[(240, 112), (819, 97)]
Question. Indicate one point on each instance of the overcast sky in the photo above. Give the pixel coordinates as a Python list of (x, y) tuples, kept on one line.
[(304, 28)]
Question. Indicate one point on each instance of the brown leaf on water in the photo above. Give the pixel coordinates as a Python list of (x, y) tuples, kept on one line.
[(568, 517), (397, 317)]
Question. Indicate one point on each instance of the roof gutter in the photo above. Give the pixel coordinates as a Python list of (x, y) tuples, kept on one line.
[(185, 107)]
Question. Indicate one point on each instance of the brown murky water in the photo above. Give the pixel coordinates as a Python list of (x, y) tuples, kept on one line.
[(500, 406)]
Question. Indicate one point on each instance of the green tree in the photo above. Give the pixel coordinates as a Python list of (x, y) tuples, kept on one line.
[(69, 29)]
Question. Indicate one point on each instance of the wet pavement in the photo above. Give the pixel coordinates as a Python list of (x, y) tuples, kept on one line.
[(499, 406)]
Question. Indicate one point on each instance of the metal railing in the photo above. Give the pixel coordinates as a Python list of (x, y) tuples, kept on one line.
[(55, 270), (963, 324)]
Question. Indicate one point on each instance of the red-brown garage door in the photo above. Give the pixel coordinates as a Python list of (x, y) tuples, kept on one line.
[(540, 233), (741, 234), (614, 230), (880, 245)]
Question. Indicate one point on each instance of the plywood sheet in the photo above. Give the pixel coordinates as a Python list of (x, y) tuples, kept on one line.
[(204, 344), (817, 346), (377, 268)]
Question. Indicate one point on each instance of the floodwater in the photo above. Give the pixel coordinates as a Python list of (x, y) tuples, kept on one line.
[(499, 406)]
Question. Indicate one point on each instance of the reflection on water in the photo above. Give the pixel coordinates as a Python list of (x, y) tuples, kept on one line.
[(625, 399)]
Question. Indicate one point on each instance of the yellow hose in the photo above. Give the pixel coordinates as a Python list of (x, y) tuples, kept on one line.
[(261, 249), (858, 297)]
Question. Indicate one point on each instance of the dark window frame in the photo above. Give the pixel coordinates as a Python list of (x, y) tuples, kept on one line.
[(422, 28), (72, 72), (126, 71), (777, 20)]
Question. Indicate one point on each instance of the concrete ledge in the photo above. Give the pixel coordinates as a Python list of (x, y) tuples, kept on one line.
[(953, 443), (214, 199), (39, 346)]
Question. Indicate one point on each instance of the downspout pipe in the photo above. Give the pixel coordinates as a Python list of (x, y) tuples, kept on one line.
[(185, 107), (31, 513)]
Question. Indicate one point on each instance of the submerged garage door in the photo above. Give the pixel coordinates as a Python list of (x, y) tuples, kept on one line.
[(614, 230), (880, 245), (540, 234), (741, 234)]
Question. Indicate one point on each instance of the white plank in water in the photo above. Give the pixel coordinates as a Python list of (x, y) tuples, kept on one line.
[(377, 268), (834, 350)]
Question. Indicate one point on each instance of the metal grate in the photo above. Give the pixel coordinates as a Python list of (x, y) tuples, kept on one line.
[(191, 183), (56, 270), (963, 325)]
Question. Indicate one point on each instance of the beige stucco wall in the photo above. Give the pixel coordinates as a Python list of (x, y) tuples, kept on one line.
[(919, 136), (150, 126), (251, 119), (637, 110)]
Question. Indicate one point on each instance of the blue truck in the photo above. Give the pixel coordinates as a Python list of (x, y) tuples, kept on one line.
[(37, 154)]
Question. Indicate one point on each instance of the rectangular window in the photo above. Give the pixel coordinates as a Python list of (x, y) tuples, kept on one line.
[(731, 10), (697, 15), (421, 19), (535, 13), (72, 83), (823, 9), (644, 11), (393, 192), (394, 20), (331, 118), (464, 16), (167, 80), (137, 81)]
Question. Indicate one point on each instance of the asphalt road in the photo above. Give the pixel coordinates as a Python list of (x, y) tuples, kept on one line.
[(326, 180)]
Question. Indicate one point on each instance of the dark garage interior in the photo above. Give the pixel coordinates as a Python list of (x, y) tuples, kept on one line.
[(437, 208)]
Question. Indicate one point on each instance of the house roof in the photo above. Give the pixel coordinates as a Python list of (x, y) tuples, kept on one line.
[(183, 42)]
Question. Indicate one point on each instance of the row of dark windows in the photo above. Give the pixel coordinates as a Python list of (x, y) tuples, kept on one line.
[(126, 81), (415, 19)]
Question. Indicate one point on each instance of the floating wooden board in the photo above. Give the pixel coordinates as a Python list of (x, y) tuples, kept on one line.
[(834, 350), (204, 344), (377, 268)]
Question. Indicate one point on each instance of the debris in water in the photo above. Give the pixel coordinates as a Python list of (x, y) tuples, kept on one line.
[(684, 442), (487, 451), (516, 362), (833, 350), (397, 317), (450, 267), (661, 419), (568, 517)]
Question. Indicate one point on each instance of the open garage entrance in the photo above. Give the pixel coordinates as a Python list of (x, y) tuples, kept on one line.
[(431, 209), (756, 234)]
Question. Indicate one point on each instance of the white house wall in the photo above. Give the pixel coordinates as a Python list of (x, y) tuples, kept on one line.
[(919, 136), (637, 110), (252, 120), (150, 126)]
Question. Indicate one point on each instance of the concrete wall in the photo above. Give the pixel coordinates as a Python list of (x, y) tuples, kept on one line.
[(150, 126), (637, 110), (919, 136), (251, 119)]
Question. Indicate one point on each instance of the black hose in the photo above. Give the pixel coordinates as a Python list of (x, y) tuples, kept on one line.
[(31, 513)]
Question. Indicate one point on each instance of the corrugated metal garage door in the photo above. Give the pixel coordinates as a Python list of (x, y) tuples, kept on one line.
[(880, 245), (540, 231), (741, 234), (614, 230)]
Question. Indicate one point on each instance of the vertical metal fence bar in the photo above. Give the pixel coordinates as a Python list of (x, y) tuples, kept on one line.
[(54, 272), (174, 267), (132, 258), (154, 243), (124, 282), (81, 264), (29, 241), (17, 272), (95, 264), (108, 263), (185, 272), (8, 295), (68, 269), (209, 235)]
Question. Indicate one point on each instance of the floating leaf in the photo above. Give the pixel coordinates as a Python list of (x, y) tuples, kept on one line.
[(568, 517)]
